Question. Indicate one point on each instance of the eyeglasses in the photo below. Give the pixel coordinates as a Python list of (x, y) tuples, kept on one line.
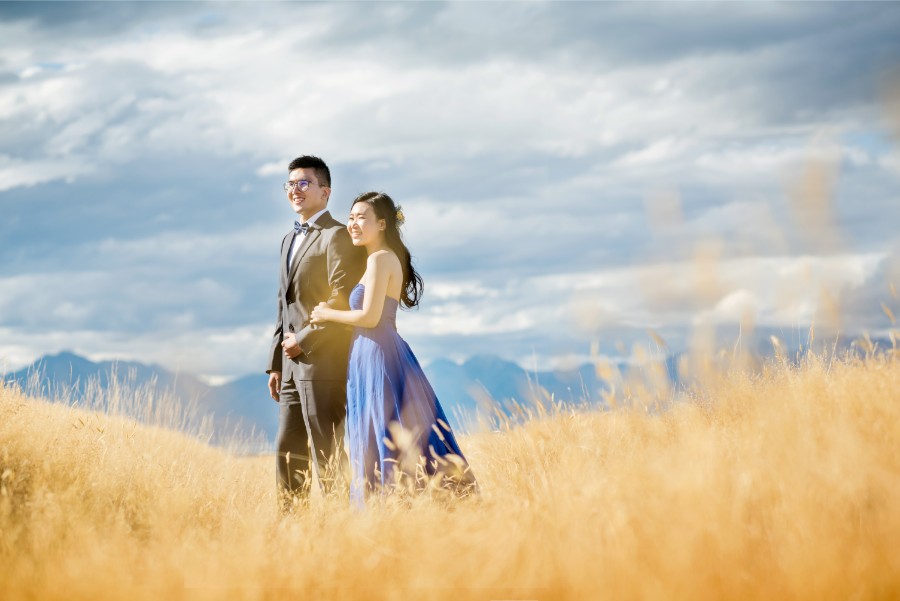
[(302, 185)]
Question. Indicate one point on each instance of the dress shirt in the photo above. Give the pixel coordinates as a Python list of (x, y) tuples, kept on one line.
[(298, 238)]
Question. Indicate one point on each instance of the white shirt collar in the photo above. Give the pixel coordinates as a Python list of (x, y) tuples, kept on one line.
[(312, 219)]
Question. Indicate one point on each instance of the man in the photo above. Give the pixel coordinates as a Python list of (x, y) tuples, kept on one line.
[(308, 364)]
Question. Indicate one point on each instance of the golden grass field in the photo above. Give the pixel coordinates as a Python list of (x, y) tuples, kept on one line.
[(780, 484)]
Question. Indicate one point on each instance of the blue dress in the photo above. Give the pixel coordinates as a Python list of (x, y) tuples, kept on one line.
[(398, 434)]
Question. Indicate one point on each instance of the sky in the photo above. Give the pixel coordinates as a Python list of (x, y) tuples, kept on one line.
[(577, 178)]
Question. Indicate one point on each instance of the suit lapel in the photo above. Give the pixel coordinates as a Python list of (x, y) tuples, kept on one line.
[(311, 236)]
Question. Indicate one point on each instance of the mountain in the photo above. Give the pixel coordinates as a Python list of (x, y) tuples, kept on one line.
[(487, 377), (68, 373), (462, 389), (67, 377), (479, 384)]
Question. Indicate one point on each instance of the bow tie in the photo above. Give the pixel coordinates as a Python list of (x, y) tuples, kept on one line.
[(301, 228)]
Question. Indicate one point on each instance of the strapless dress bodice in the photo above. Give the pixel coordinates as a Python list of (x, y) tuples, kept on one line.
[(388, 313)]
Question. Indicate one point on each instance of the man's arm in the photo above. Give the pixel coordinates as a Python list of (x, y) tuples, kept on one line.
[(381, 266), (276, 354)]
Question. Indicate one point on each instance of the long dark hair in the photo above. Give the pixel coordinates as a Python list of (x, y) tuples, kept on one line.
[(385, 208)]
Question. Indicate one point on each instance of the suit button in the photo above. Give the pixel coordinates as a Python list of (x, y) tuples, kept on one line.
[(291, 327)]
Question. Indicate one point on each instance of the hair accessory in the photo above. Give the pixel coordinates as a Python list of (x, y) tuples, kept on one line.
[(400, 217)]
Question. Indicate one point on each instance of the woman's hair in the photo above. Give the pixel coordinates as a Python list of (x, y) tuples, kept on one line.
[(386, 209)]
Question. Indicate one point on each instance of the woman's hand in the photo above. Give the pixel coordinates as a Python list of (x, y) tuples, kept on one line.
[(319, 313)]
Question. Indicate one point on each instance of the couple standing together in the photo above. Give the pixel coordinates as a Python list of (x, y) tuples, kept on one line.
[(337, 357)]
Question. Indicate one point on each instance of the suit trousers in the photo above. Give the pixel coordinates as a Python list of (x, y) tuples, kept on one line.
[(310, 425)]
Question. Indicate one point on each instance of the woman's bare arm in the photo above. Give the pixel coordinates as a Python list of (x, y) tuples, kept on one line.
[(380, 268)]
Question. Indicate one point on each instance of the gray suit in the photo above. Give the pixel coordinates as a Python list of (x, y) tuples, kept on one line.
[(313, 399)]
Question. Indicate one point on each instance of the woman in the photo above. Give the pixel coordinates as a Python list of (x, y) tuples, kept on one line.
[(398, 434)]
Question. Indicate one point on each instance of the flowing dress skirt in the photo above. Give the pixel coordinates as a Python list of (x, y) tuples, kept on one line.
[(398, 434)]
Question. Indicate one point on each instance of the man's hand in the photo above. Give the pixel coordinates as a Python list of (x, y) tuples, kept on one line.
[(290, 346), (275, 384)]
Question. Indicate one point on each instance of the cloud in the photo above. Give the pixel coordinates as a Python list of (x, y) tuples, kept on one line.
[(570, 309), (15, 173), (143, 147), (206, 352)]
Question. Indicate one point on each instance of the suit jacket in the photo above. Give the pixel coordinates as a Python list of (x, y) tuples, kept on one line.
[(326, 267)]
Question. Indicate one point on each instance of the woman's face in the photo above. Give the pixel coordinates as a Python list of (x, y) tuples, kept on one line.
[(363, 225)]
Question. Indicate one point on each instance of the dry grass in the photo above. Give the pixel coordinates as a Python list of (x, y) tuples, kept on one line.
[(782, 485)]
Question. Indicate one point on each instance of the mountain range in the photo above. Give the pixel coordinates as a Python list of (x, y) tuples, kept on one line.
[(461, 388), (477, 387)]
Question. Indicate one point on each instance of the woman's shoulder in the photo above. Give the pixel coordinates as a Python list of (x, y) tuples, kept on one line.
[(385, 260), (383, 257)]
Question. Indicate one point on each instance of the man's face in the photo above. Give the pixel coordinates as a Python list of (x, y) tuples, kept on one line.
[(311, 201)]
